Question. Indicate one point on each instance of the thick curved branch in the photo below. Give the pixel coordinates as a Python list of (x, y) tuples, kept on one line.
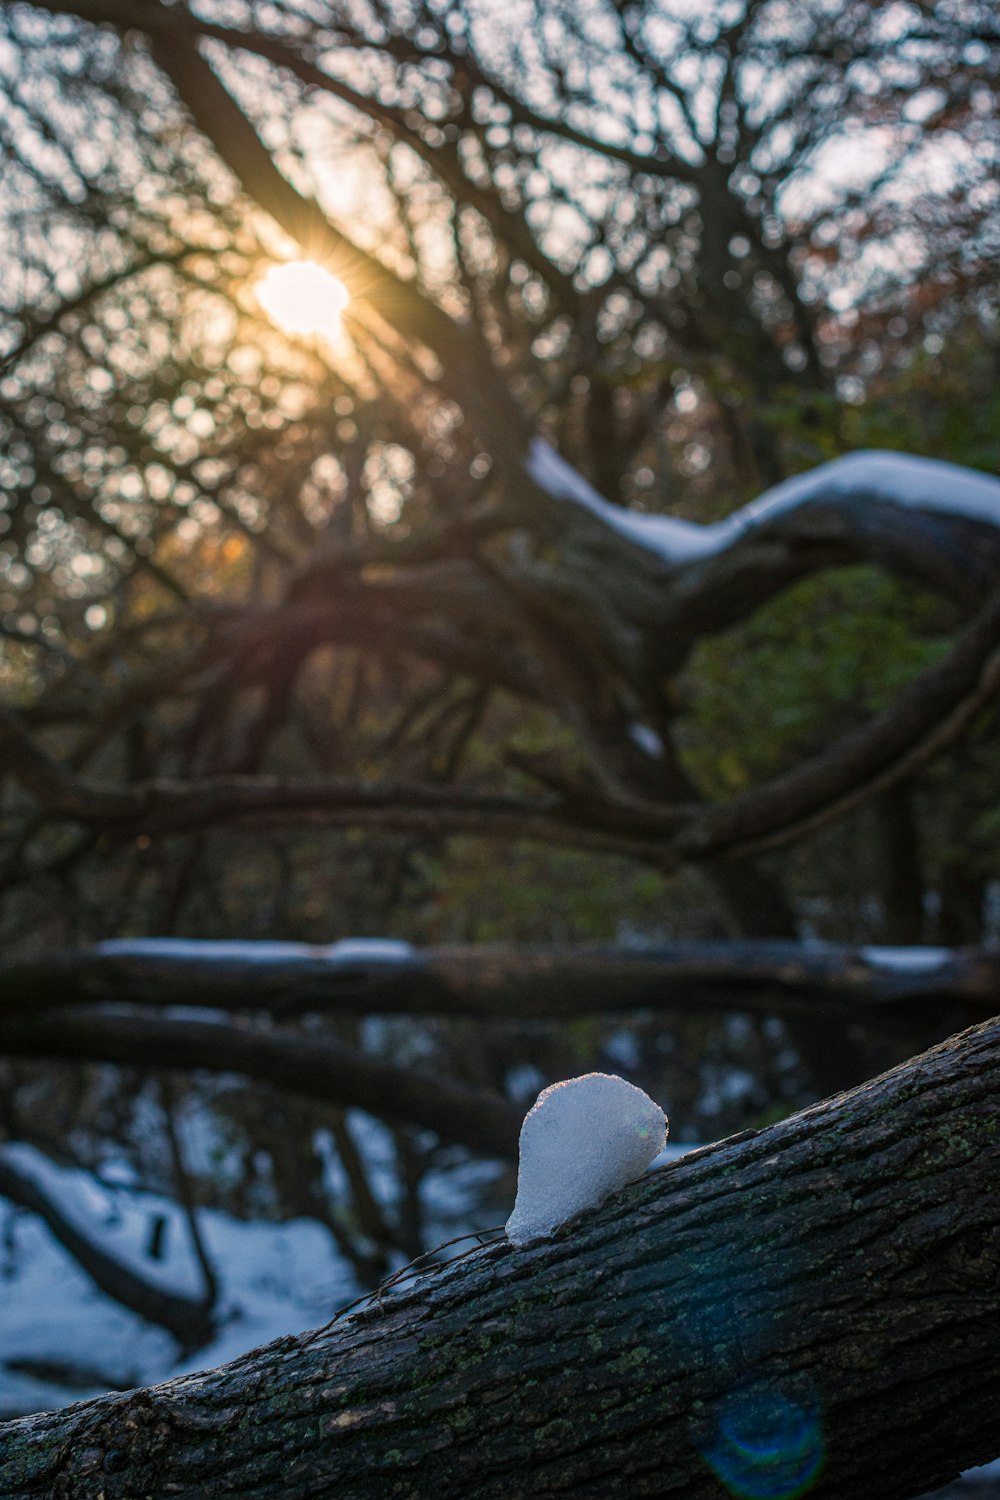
[(670, 582), (641, 591), (650, 587), (301, 1062), (928, 715), (834, 1279)]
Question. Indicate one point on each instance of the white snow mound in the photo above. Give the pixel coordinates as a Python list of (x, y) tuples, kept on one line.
[(581, 1141)]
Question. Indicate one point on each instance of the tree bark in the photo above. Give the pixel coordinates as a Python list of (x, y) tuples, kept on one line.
[(814, 1306), (828, 1052)]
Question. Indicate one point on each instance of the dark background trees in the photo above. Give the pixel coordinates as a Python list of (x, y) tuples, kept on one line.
[(304, 643)]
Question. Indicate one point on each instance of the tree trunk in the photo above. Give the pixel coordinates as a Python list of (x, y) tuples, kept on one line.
[(814, 1306), (827, 1051), (902, 876), (963, 892)]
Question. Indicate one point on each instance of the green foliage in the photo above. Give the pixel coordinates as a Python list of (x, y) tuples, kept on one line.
[(942, 402), (811, 664), (528, 894)]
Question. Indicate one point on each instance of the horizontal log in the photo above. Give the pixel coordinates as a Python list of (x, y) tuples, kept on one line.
[(510, 982)]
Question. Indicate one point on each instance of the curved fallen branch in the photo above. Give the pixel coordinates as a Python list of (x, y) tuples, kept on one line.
[(817, 1304), (301, 1061)]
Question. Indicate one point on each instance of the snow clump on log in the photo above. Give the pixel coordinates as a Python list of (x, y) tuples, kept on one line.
[(582, 1140)]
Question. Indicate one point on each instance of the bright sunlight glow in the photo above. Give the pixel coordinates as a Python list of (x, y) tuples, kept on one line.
[(303, 297)]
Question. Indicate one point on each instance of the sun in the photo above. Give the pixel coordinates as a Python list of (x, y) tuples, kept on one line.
[(302, 296)]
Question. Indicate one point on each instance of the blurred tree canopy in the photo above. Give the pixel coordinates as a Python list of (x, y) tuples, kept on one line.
[(696, 249)]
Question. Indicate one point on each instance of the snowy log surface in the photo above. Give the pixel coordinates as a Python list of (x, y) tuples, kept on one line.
[(846, 1262)]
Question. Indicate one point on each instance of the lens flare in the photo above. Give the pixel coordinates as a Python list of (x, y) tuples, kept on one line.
[(766, 1445), (303, 297)]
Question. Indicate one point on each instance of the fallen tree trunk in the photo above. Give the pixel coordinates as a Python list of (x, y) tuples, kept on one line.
[(812, 1307), (505, 982)]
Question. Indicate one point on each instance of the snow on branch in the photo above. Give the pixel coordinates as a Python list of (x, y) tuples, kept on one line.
[(929, 485)]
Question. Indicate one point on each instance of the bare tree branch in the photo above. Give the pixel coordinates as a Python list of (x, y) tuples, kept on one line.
[(929, 714), (303, 1062)]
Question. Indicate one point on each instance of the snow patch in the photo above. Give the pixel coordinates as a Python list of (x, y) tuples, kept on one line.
[(558, 478), (647, 739), (275, 1279), (370, 950), (347, 950), (674, 540), (907, 960), (925, 483), (95, 1214), (582, 1140)]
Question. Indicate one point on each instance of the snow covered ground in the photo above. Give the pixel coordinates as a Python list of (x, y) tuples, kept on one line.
[(975, 1484), (62, 1340)]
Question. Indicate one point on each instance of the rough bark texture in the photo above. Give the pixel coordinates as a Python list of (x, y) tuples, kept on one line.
[(814, 1306)]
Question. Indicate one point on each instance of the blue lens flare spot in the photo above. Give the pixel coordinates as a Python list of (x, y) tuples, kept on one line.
[(767, 1445)]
